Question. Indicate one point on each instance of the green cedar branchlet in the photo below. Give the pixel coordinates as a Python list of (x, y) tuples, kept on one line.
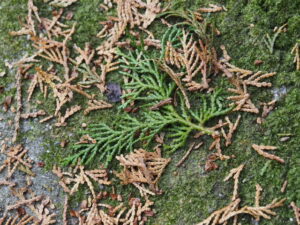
[(148, 86)]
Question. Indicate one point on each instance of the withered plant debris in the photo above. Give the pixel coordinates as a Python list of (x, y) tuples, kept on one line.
[(62, 3), (261, 150), (7, 102), (235, 174), (142, 167), (39, 206), (158, 90), (296, 51), (232, 127), (296, 212), (70, 182), (33, 115), (283, 187), (212, 8), (19, 105), (95, 212), (186, 155), (69, 112), (231, 212), (96, 105), (15, 157)]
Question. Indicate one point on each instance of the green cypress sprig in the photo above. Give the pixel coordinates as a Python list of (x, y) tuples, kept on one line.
[(148, 85)]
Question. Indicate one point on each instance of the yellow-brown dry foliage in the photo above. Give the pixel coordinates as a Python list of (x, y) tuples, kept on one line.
[(16, 157), (296, 212), (142, 167), (70, 181), (241, 79), (195, 58), (231, 212), (261, 150), (95, 212), (40, 208), (296, 51)]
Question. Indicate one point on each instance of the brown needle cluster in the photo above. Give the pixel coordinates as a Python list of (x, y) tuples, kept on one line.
[(52, 50), (296, 212), (142, 167), (130, 14), (126, 213), (296, 51), (231, 212), (40, 208), (15, 156), (78, 176), (241, 80), (261, 150), (195, 58)]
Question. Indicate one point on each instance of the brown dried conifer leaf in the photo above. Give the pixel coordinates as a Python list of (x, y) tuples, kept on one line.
[(296, 52), (71, 181), (296, 212), (232, 128), (97, 105), (144, 167), (235, 174), (261, 150), (212, 8), (69, 112), (62, 3), (40, 206), (15, 156)]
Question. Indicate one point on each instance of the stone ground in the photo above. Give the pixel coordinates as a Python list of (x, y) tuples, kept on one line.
[(43, 183)]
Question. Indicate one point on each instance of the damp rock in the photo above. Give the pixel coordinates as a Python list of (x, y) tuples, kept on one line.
[(278, 93), (113, 92)]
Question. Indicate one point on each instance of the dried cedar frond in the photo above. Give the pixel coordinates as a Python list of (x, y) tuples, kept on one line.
[(53, 27), (33, 115), (65, 219), (216, 144), (217, 215), (142, 167), (62, 3), (232, 128), (71, 181), (19, 105), (69, 112), (267, 108), (15, 156), (99, 213), (7, 183), (261, 150), (29, 28), (86, 54), (39, 206), (242, 97), (257, 212), (235, 174), (176, 78), (258, 194), (46, 119), (283, 187), (296, 52), (172, 57), (296, 212), (96, 105), (212, 8), (253, 79), (186, 155), (17, 220), (231, 212)]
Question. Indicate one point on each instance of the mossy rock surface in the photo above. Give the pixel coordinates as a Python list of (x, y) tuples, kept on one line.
[(190, 193)]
